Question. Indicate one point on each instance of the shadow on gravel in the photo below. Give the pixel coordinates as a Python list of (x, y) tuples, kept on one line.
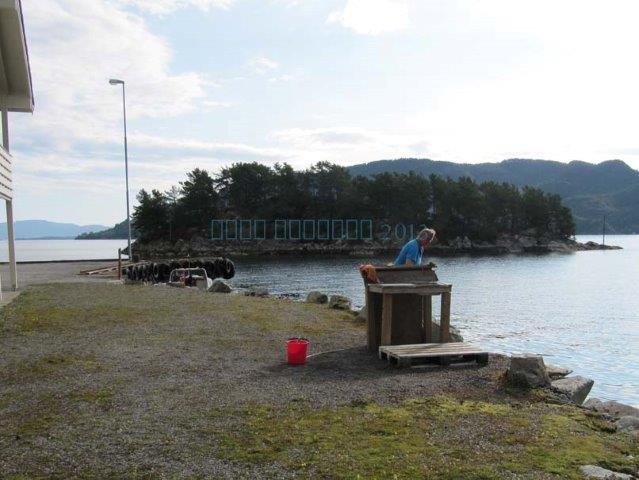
[(355, 363)]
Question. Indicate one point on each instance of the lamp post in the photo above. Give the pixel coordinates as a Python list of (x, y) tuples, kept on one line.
[(115, 81)]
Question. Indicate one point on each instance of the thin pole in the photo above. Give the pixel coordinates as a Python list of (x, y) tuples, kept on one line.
[(126, 172)]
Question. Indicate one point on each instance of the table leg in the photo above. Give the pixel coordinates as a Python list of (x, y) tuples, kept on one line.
[(387, 318), (427, 318), (370, 314), (444, 325)]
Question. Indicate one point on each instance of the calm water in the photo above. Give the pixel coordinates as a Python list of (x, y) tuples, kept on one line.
[(579, 310), (40, 250)]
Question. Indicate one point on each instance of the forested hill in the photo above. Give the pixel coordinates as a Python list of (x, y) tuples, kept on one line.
[(609, 188), (119, 231)]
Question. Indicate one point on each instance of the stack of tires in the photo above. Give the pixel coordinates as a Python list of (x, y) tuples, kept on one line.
[(159, 272)]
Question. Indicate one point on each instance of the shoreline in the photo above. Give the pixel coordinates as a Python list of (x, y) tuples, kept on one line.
[(237, 410), (504, 245)]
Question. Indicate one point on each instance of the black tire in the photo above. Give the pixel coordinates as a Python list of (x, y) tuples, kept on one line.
[(229, 269), (156, 272), (166, 271), (144, 272), (210, 269)]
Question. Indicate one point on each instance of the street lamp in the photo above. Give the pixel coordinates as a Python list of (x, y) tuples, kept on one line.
[(115, 81)]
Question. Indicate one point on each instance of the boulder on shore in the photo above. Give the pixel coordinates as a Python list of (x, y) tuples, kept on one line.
[(527, 371), (555, 372), (597, 472), (316, 297), (575, 388), (220, 286), (339, 302), (612, 408), (627, 424), (256, 292)]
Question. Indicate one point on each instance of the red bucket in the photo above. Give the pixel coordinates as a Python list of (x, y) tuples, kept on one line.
[(296, 349)]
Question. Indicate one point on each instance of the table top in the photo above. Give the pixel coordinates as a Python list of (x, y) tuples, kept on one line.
[(430, 288)]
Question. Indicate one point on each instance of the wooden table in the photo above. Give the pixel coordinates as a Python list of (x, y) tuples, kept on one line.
[(401, 313)]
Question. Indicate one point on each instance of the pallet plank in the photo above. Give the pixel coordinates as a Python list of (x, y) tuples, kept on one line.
[(442, 353)]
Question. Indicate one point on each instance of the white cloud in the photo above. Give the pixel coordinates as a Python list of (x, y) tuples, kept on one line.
[(76, 46), (163, 7), (262, 65), (213, 104), (347, 145), (372, 17)]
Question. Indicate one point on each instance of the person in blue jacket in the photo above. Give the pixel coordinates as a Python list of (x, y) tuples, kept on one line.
[(411, 253)]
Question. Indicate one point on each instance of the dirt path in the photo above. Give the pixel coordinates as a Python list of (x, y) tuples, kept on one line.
[(50, 272)]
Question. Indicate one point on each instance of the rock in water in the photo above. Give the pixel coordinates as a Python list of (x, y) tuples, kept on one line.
[(627, 424), (316, 297), (555, 372), (527, 371), (339, 302), (220, 286), (594, 471), (575, 388)]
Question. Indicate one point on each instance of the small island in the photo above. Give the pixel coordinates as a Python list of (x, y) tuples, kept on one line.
[(254, 209)]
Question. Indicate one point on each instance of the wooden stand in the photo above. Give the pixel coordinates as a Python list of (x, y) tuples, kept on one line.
[(400, 307)]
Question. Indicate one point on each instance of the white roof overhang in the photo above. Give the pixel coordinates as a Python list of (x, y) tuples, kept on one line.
[(16, 93)]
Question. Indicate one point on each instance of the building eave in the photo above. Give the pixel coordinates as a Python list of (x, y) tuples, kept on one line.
[(16, 90)]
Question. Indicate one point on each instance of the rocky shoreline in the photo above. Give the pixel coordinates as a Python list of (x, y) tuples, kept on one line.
[(503, 245)]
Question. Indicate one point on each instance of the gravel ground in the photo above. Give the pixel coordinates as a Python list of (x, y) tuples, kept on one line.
[(50, 272), (100, 380)]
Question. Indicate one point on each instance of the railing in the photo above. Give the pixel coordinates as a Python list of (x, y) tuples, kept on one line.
[(6, 168)]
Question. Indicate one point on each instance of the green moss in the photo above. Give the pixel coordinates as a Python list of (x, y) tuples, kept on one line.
[(438, 438), (102, 397), (275, 315), (47, 366)]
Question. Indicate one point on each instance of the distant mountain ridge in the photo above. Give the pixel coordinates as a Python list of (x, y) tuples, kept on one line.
[(37, 229), (117, 232), (609, 188)]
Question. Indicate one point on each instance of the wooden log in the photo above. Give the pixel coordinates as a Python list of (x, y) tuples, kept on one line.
[(387, 319), (427, 318), (444, 325)]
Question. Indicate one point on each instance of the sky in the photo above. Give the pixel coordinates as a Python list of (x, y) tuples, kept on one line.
[(212, 82)]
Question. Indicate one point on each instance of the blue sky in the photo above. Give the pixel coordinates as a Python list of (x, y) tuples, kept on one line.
[(211, 82)]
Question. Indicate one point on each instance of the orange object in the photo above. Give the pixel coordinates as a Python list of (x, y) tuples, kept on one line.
[(369, 273)]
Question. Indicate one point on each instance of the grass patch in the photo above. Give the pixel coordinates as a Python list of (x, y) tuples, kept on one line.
[(435, 438), (101, 397), (48, 366)]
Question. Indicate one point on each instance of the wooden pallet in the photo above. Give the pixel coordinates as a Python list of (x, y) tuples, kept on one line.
[(432, 353)]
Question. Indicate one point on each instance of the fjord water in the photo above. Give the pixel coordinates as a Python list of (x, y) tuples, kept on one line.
[(579, 310)]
